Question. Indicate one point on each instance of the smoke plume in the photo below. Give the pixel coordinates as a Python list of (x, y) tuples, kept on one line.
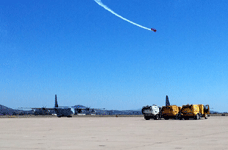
[(111, 11)]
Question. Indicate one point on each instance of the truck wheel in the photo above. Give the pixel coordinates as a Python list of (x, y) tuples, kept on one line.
[(206, 116), (181, 117), (177, 117), (147, 117), (197, 117), (200, 115), (156, 117)]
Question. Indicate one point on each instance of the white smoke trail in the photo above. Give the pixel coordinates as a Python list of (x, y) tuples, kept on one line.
[(111, 11)]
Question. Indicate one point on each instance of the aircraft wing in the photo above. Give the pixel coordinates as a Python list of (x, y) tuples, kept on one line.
[(43, 108)]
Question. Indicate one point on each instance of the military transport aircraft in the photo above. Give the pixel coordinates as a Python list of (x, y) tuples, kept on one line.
[(62, 111)]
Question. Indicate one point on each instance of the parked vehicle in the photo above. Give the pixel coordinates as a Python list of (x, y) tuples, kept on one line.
[(153, 111), (172, 111), (195, 111)]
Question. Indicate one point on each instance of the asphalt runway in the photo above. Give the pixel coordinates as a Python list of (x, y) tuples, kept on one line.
[(112, 133)]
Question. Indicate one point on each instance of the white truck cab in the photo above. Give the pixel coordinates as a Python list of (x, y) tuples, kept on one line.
[(153, 111)]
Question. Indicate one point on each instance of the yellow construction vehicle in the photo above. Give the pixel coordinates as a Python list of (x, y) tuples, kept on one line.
[(172, 111), (195, 111)]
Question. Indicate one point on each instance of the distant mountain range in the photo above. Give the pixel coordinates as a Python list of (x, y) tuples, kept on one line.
[(216, 112), (9, 111)]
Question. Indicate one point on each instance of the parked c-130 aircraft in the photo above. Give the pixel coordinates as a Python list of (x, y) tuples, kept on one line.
[(62, 111)]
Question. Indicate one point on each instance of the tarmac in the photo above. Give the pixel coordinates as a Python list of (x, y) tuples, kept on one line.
[(113, 133)]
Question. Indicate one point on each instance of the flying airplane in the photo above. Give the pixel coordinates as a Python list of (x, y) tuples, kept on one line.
[(62, 111), (152, 29)]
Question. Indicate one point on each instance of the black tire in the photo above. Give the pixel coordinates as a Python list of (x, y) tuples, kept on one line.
[(186, 118), (156, 117), (177, 117), (166, 118), (200, 115), (147, 117), (197, 117)]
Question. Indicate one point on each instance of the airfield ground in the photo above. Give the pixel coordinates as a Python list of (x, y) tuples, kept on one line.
[(112, 133)]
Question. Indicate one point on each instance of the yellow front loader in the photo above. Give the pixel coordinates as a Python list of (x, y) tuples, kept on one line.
[(195, 111), (172, 111)]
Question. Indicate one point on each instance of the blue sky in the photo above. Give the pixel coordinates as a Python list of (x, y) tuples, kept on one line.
[(86, 55)]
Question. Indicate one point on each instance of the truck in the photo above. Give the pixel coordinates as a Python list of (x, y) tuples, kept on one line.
[(172, 111), (153, 111), (195, 111)]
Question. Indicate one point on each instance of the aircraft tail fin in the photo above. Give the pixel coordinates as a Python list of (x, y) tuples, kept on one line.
[(167, 101), (56, 103)]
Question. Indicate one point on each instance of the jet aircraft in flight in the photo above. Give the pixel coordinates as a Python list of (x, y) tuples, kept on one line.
[(152, 29)]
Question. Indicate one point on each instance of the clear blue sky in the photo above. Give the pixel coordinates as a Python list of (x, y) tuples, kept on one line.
[(86, 55)]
